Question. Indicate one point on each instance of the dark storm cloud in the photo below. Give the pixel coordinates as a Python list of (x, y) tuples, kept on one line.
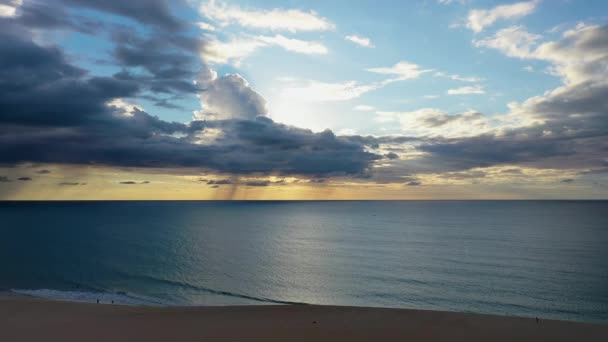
[(391, 155), (416, 183), (167, 56), (133, 182), (170, 60), (219, 182), (260, 183), (43, 172), (39, 87), (70, 183), (568, 180), (152, 12), (52, 15), (54, 112), (25, 179)]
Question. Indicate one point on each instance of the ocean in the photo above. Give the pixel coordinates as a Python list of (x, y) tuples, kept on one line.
[(524, 258)]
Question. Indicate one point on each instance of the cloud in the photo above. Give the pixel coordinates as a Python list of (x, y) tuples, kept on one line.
[(449, 2), (75, 120), (219, 182), (4, 179), (579, 56), (391, 156), (237, 49), (293, 20), (24, 179), (9, 9), (478, 19), (465, 175), (361, 41), (233, 51), (70, 183), (403, 70), (567, 180), (133, 182), (258, 183), (52, 111), (229, 97), (476, 89), (414, 183), (436, 122), (364, 108), (456, 77), (317, 91), (205, 26), (152, 12), (169, 61), (513, 41), (562, 129), (295, 45), (43, 172), (68, 97)]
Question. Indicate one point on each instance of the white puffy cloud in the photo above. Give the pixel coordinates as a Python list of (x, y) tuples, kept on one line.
[(513, 41), (359, 40), (293, 20), (478, 19), (476, 89), (228, 97), (581, 54)]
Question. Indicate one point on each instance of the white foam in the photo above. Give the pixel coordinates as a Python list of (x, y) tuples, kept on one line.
[(89, 297)]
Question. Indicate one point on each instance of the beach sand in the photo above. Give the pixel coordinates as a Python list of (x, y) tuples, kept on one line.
[(34, 319)]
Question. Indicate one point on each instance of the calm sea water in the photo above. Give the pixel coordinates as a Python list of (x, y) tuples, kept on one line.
[(528, 258)]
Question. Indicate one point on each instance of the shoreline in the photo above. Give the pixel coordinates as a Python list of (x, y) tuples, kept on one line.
[(28, 318)]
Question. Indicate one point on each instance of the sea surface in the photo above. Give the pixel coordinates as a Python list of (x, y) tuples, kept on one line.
[(525, 258)]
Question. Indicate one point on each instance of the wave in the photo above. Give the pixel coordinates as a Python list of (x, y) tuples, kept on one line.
[(121, 298), (186, 285)]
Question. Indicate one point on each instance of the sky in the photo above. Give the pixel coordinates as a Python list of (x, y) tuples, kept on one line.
[(303, 100)]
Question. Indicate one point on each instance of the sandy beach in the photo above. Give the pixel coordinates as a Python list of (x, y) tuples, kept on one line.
[(34, 319)]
